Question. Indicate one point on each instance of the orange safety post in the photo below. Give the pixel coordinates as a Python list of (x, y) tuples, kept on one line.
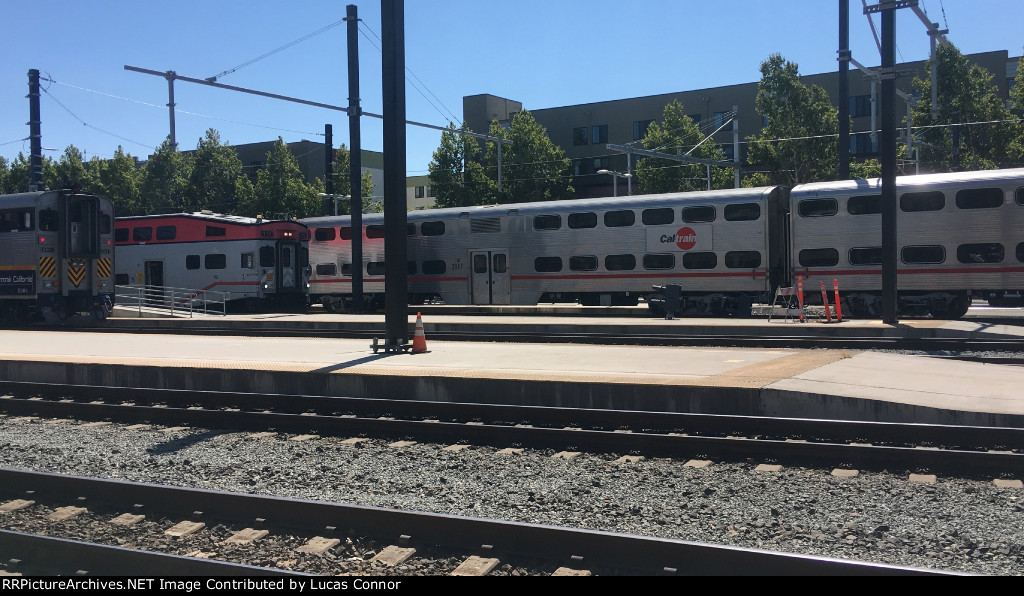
[(419, 340), (839, 309), (824, 300), (800, 297)]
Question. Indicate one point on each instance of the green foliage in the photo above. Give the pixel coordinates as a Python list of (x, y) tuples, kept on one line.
[(869, 168), (280, 191), (799, 143), (340, 172), (678, 134), (211, 183), (966, 94), (165, 181), (69, 172), (457, 172), (120, 180)]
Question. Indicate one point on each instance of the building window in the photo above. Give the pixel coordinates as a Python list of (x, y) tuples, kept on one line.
[(421, 192), (600, 163), (861, 143), (580, 136), (640, 128), (696, 118), (729, 152), (599, 134), (721, 118), (579, 167), (860, 106)]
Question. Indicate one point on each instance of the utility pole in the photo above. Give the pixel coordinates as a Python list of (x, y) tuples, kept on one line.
[(35, 172), (170, 75), (844, 89), (355, 176), (396, 282), (329, 162)]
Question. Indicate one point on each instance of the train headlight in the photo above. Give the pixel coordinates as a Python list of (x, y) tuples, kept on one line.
[(266, 286)]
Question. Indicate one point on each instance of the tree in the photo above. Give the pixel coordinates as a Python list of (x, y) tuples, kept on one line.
[(534, 168), (341, 168), (679, 134), (69, 172), (211, 182), (5, 176), (799, 143), (1016, 150), (966, 95), (119, 180), (165, 180), (456, 173), (280, 190)]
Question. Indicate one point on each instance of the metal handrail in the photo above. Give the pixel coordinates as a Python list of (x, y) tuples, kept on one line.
[(173, 299)]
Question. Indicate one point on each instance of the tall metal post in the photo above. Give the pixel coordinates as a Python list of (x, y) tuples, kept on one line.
[(736, 146), (844, 89), (329, 165), (888, 151), (35, 172), (355, 157), (396, 283), (170, 76)]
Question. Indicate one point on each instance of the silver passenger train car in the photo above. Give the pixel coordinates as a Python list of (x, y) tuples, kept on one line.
[(252, 263), (56, 255), (959, 236), (718, 245)]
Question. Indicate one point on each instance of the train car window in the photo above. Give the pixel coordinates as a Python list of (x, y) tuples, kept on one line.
[(374, 231), (499, 264), (547, 222), (16, 221), (743, 259), (49, 221), (121, 279), (700, 260), (866, 256), (865, 205), (1019, 197), (192, 262), (620, 262), (142, 234), (480, 263), (923, 255), (619, 219), (267, 256), (216, 261), (410, 229), (701, 214), (818, 207), (583, 263), (346, 269), (991, 252), (326, 270), (657, 217), (1020, 252), (166, 232), (580, 221), (743, 212), (819, 257), (375, 268), (979, 198), (216, 231), (121, 235), (432, 228), (922, 201), (345, 233), (7, 222), (106, 223), (324, 234), (248, 261), (303, 257), (661, 261), (434, 267), (546, 264)]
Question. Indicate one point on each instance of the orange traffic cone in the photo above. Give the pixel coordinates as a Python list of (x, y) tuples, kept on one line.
[(419, 341)]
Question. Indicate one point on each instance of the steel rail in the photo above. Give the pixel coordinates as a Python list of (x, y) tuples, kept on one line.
[(631, 553)]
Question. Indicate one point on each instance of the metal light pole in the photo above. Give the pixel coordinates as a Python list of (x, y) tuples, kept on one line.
[(615, 180)]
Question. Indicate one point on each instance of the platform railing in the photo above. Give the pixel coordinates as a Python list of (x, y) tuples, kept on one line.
[(176, 301)]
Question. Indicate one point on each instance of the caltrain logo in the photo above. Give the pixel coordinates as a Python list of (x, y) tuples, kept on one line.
[(685, 238), (76, 271)]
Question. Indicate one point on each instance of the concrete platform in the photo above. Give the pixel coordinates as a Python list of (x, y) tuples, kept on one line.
[(786, 383)]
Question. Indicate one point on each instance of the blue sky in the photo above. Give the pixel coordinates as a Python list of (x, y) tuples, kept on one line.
[(543, 53)]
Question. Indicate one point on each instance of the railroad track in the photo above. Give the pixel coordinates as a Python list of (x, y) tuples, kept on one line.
[(477, 545), (963, 451)]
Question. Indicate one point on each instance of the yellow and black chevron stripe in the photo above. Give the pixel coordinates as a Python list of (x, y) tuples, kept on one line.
[(47, 267), (76, 271), (102, 268)]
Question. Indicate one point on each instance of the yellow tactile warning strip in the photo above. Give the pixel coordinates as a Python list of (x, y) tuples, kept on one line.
[(752, 376)]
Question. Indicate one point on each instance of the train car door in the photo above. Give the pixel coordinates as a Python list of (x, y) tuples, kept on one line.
[(154, 279), (289, 266), (490, 278)]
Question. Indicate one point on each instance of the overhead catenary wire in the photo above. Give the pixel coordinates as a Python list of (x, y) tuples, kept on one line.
[(272, 52)]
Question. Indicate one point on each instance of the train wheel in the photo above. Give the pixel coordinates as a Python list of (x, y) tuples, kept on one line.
[(99, 313)]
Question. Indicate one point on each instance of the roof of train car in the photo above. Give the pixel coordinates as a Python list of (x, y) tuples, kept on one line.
[(565, 206), (874, 185), (30, 198), (221, 218)]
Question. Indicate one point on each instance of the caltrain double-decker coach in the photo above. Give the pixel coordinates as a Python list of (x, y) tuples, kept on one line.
[(720, 245), (256, 263), (56, 255)]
